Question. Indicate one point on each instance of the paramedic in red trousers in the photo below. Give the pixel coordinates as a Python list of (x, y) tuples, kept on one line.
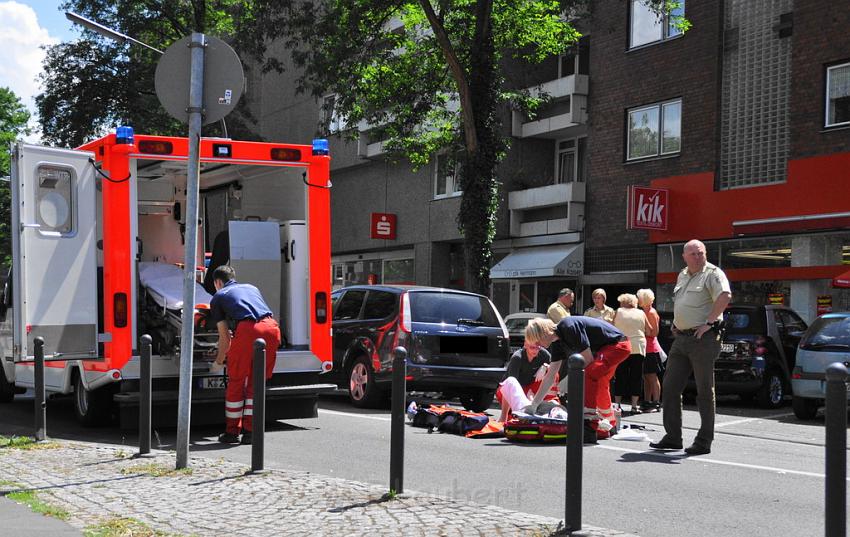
[(701, 294), (240, 307), (603, 347)]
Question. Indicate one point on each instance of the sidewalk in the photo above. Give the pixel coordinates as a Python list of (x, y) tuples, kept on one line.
[(98, 484)]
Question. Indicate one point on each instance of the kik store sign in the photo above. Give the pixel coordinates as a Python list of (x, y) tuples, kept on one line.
[(649, 208)]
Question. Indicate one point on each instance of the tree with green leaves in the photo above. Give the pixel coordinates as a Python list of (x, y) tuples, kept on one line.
[(13, 124), (93, 84)]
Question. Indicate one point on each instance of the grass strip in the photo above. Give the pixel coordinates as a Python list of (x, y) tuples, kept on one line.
[(37, 504), (155, 470), (123, 527), (24, 442)]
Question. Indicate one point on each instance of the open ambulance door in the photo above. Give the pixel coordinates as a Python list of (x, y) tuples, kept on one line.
[(54, 265)]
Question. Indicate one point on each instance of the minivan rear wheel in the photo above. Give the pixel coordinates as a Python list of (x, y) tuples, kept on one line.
[(362, 389), (477, 400), (804, 408)]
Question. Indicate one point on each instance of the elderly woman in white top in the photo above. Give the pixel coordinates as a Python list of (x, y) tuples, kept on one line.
[(628, 380)]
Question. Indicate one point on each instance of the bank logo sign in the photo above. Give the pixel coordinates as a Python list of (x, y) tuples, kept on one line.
[(383, 226), (649, 208)]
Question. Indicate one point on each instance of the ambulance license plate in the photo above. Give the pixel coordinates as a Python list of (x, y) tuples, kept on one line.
[(212, 383)]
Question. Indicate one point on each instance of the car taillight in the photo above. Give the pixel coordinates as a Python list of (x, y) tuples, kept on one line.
[(405, 324), (321, 307), (119, 310), (797, 372)]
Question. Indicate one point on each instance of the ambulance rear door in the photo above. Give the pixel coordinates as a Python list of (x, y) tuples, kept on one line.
[(54, 271)]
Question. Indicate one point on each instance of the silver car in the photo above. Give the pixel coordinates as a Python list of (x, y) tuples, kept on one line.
[(826, 341)]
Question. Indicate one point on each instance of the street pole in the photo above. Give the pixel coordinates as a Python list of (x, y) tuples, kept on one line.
[(145, 385), (399, 395), (195, 110), (40, 397), (575, 442), (258, 440), (836, 451)]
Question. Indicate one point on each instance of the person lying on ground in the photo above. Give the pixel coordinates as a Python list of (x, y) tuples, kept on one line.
[(527, 367)]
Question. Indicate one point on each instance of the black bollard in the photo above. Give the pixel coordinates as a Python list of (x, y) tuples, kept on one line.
[(399, 396), (575, 442), (259, 418), (40, 398), (836, 454), (145, 396)]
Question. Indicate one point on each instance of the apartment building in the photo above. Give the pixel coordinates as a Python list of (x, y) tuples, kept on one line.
[(740, 131)]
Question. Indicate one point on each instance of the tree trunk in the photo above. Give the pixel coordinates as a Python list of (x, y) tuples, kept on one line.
[(478, 210)]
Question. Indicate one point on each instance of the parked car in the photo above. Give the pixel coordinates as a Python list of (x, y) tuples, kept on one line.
[(516, 323), (456, 342), (825, 342), (757, 353)]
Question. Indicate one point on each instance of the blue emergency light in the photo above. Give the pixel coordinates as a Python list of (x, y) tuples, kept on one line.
[(124, 135), (320, 147)]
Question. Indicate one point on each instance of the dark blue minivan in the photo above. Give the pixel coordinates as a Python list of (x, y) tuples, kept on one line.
[(456, 342)]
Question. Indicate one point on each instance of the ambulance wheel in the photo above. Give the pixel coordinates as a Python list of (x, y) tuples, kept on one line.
[(477, 400), (363, 392), (7, 389), (91, 408)]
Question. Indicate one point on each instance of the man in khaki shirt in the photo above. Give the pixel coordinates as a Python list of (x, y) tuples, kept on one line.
[(561, 307), (701, 294)]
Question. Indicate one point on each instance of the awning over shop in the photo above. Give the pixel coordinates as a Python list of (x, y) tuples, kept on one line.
[(842, 280), (541, 262)]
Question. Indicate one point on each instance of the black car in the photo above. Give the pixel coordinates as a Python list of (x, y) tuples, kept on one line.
[(757, 353), (456, 342)]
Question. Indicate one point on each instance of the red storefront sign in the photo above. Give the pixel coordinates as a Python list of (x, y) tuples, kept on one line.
[(649, 208), (383, 226)]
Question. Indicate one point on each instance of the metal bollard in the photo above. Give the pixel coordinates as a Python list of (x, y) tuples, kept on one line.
[(145, 396), (40, 398), (836, 454), (399, 395), (575, 442), (259, 417)]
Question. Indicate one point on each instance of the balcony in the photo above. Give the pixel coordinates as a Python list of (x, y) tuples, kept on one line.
[(562, 116), (547, 210)]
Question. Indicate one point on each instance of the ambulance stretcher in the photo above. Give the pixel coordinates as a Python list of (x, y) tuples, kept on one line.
[(162, 288)]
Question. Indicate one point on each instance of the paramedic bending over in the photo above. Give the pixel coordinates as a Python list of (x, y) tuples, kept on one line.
[(240, 307)]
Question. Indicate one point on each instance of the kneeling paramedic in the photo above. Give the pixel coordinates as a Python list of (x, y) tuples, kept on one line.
[(240, 306), (603, 348)]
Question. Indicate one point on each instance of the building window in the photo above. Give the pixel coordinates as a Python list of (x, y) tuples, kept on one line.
[(838, 95), (399, 271), (330, 120), (446, 179), (655, 130), (576, 60), (648, 26), (570, 160)]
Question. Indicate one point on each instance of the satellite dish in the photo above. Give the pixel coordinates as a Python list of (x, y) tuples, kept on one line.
[(224, 79)]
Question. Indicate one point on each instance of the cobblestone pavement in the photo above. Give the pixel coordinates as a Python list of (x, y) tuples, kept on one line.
[(96, 483)]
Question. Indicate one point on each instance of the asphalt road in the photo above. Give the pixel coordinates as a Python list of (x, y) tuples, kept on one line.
[(764, 476)]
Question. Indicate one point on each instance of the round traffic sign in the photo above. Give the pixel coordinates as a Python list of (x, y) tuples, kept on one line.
[(224, 80)]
